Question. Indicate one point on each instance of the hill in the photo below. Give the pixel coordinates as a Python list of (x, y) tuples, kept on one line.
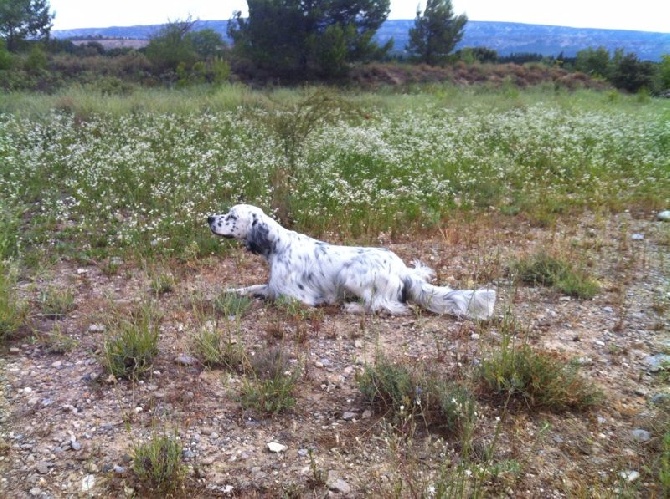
[(504, 37)]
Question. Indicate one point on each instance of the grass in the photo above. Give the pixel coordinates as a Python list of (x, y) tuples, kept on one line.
[(271, 386), (540, 380), (13, 311), (396, 391), (157, 464), (217, 351), (56, 302), (132, 345), (559, 274), (397, 165)]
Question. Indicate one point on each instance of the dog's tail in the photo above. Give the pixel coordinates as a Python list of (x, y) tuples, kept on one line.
[(475, 304)]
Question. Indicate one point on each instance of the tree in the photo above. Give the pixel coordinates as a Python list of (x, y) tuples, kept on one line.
[(436, 31), (595, 62), (304, 38), (20, 19), (172, 46), (631, 74), (207, 43)]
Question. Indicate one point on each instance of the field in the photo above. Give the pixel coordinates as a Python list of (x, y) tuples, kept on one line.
[(128, 371)]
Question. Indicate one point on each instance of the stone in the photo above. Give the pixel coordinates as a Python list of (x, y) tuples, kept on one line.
[(185, 360), (42, 467), (87, 483), (663, 216), (276, 447), (348, 416), (641, 435)]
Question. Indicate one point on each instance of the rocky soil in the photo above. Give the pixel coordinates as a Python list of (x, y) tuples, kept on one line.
[(68, 428)]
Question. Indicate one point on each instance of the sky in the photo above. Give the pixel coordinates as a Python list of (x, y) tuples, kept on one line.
[(644, 15)]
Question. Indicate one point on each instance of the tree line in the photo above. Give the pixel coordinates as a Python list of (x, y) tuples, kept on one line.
[(294, 41)]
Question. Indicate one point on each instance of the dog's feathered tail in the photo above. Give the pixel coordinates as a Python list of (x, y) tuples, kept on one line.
[(475, 304)]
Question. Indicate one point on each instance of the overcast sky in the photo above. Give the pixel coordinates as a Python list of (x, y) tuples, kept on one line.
[(646, 15)]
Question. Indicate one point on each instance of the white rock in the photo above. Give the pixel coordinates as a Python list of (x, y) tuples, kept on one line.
[(87, 483), (663, 215), (276, 447)]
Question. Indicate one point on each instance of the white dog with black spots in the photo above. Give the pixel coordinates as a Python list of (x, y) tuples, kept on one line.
[(364, 279)]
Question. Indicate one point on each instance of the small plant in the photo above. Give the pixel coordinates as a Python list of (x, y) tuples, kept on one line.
[(229, 304), (56, 303), (556, 273), (664, 465), (163, 283), (395, 390), (218, 352), (158, 463), (271, 390), (539, 379), (58, 342), (130, 352), (13, 312)]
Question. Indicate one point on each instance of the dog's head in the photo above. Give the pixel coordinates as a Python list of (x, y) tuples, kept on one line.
[(244, 223)]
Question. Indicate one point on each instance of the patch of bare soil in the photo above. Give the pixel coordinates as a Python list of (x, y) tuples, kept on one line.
[(68, 429)]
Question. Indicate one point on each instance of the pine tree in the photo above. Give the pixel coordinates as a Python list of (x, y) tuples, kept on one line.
[(436, 32)]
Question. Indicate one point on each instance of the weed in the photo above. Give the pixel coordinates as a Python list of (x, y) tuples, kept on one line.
[(57, 341), (547, 270), (218, 352), (13, 312), (395, 390), (540, 379), (162, 283), (129, 352), (158, 463), (229, 304), (56, 303), (271, 390)]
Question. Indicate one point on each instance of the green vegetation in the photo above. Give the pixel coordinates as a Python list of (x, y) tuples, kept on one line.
[(13, 312), (132, 344), (157, 464), (436, 32), (270, 390), (542, 380), (556, 273)]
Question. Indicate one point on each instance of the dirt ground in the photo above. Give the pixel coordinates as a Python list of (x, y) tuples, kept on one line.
[(68, 428)]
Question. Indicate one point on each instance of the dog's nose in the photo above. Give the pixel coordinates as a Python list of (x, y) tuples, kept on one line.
[(210, 220)]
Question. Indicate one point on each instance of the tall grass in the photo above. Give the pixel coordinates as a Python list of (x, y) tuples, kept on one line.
[(138, 174)]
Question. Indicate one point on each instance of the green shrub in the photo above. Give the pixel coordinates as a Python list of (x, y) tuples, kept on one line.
[(558, 274), (539, 379), (395, 390), (271, 390), (158, 464), (130, 351), (13, 313), (56, 302), (217, 352)]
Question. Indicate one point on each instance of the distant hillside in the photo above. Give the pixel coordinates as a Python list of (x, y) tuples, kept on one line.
[(505, 38)]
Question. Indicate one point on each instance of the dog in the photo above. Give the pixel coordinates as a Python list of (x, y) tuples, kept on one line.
[(364, 279)]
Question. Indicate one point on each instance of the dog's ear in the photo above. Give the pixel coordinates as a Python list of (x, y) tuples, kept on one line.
[(259, 241)]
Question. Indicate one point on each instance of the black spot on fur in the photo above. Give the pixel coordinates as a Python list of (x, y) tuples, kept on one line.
[(404, 291), (258, 240), (301, 287)]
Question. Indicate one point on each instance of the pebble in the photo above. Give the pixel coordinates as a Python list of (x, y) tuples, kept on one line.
[(663, 216), (35, 491), (87, 483), (657, 362), (637, 237), (337, 484), (348, 415), (630, 476), (42, 467), (185, 360), (276, 447), (641, 435), (96, 328)]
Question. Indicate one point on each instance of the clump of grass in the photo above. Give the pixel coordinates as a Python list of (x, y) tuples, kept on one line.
[(271, 389), (556, 273), (158, 464), (163, 283), (395, 390), (130, 351), (229, 304), (56, 303), (58, 342), (13, 312), (218, 352), (539, 379)]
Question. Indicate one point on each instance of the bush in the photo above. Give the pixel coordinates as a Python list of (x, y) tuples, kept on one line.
[(13, 312), (547, 270), (130, 352), (395, 390), (157, 464), (539, 379), (271, 389)]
